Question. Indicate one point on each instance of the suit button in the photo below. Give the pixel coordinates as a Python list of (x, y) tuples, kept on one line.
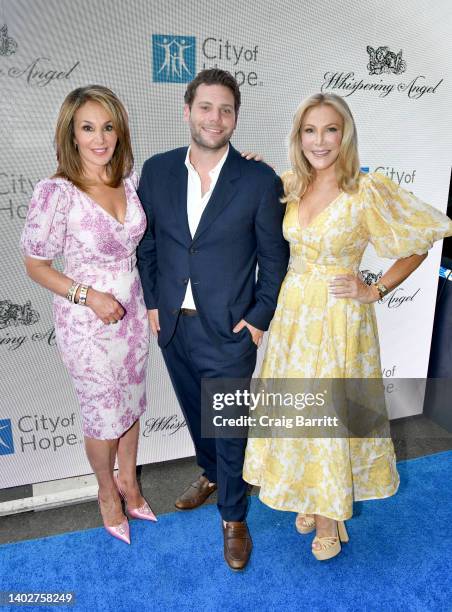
[(193, 251), (185, 281)]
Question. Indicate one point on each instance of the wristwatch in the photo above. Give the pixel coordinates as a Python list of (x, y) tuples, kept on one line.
[(382, 289)]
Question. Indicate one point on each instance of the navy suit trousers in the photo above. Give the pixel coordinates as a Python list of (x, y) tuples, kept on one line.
[(189, 357)]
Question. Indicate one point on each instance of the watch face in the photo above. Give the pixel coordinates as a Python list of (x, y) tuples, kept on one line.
[(383, 290)]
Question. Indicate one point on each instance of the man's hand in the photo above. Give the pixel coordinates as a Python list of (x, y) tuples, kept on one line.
[(256, 334), (153, 316)]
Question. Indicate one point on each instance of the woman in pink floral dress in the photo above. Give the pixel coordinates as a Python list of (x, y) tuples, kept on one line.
[(90, 213)]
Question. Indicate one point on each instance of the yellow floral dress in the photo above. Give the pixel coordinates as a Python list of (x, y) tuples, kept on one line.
[(316, 335)]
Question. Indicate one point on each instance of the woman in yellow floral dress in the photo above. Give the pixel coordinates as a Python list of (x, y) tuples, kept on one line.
[(325, 325)]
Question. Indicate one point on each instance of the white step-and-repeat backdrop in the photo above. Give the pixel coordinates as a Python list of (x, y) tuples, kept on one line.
[(391, 61)]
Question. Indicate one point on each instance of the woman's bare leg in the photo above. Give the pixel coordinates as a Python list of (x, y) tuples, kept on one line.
[(101, 456), (127, 462), (324, 527)]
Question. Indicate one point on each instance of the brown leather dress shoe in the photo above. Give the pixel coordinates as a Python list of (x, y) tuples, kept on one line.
[(196, 494), (237, 544)]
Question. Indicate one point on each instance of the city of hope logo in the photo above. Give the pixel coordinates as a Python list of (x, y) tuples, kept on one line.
[(6, 437), (173, 58), (398, 175), (8, 45)]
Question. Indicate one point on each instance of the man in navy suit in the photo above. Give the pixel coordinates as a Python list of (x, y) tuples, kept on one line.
[(212, 218)]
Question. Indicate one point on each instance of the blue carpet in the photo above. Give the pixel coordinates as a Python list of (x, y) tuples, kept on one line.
[(398, 558)]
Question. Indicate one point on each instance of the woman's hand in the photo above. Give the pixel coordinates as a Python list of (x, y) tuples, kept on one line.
[(351, 286), (105, 306)]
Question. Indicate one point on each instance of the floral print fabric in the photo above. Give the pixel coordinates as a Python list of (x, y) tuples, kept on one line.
[(316, 335), (107, 363)]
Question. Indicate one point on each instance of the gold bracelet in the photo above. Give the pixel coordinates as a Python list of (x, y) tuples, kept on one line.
[(72, 291), (82, 295)]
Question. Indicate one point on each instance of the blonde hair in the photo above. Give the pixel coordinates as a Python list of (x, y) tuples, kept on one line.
[(347, 163), (70, 164)]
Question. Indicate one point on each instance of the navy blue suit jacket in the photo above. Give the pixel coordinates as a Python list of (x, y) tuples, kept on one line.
[(240, 227)]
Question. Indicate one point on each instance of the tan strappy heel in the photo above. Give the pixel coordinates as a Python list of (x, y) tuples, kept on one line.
[(304, 524), (330, 546)]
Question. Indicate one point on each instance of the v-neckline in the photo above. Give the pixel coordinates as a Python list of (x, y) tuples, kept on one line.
[(106, 211), (303, 229)]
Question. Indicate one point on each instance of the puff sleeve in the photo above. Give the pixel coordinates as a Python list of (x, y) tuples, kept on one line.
[(44, 234), (398, 223)]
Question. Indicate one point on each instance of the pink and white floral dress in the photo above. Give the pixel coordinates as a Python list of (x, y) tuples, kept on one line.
[(107, 363)]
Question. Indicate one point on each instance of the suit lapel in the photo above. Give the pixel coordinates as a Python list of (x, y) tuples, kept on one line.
[(224, 191), (177, 190)]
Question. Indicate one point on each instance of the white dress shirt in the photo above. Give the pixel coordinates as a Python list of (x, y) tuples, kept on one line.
[(196, 203)]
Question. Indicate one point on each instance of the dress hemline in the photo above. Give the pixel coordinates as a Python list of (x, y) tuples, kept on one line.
[(265, 501)]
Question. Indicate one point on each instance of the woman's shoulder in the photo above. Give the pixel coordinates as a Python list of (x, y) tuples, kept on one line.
[(374, 180), (286, 175), (51, 193), (368, 183), (291, 187), (133, 179), (53, 183), (287, 178), (379, 191)]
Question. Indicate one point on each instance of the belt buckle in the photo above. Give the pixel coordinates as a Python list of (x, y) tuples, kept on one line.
[(132, 263), (188, 312)]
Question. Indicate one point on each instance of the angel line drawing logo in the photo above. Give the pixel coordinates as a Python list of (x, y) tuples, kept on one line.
[(173, 58), (8, 45), (383, 60), (15, 314)]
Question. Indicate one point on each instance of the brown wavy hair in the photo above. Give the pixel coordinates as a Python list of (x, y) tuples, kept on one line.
[(70, 164), (347, 164), (213, 76)]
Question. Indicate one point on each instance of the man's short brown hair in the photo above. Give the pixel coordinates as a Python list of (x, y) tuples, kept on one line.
[(213, 76)]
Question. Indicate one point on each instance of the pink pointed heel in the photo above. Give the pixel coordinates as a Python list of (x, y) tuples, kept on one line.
[(144, 512), (121, 532)]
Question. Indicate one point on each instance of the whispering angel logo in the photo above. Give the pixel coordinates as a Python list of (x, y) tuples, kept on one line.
[(174, 58), (8, 45), (383, 60)]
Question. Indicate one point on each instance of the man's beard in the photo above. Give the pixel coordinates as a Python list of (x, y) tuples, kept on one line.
[(203, 144)]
